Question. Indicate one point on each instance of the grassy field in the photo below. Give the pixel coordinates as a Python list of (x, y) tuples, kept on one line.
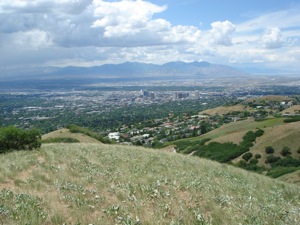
[(274, 98), (234, 132), (222, 110), (112, 184)]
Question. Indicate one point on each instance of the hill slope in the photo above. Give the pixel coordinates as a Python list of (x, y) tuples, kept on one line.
[(110, 184), (276, 133), (65, 133)]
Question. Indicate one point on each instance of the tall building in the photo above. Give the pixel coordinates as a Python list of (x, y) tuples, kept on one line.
[(197, 95)]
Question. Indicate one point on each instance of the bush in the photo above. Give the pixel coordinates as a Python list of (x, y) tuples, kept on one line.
[(253, 161), (279, 171), (269, 150), (242, 164), (272, 159), (291, 120), (77, 129), (298, 150), (12, 138), (257, 156), (247, 156), (285, 151), (287, 162)]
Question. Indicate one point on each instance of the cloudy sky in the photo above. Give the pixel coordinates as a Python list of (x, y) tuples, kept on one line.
[(260, 34)]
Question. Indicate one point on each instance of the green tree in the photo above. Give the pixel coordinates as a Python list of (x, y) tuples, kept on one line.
[(269, 149), (12, 138), (285, 151), (247, 156)]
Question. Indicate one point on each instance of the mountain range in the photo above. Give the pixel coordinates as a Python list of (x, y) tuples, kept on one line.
[(135, 69), (129, 70)]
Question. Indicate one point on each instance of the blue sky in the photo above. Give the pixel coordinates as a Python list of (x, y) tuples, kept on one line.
[(256, 35)]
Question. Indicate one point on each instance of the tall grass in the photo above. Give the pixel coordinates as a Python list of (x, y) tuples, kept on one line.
[(110, 184)]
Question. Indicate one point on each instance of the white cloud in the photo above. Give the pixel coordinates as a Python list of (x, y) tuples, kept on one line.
[(273, 38), (91, 32), (34, 39), (124, 17), (221, 32)]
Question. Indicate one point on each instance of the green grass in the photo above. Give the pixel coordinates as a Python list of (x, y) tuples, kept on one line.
[(111, 184), (60, 140)]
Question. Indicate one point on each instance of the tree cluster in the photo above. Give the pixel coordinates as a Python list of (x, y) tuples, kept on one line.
[(12, 138)]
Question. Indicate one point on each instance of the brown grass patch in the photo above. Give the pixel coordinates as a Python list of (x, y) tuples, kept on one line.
[(222, 110), (65, 133), (273, 98), (278, 137), (292, 110)]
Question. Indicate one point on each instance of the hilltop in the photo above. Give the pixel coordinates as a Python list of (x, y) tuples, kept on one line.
[(85, 183), (65, 133)]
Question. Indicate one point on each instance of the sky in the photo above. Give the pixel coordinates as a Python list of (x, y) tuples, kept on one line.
[(258, 35)]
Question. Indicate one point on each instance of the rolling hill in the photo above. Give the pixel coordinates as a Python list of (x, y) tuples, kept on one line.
[(86, 183), (65, 133), (276, 134)]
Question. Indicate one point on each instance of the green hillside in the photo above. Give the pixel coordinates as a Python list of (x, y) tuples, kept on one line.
[(86, 183), (276, 134)]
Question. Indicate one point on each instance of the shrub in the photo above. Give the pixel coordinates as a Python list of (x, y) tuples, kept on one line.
[(242, 164), (247, 156), (298, 150), (287, 162), (257, 156), (291, 120), (77, 129), (272, 159), (253, 161), (269, 149), (12, 138), (285, 151), (279, 171)]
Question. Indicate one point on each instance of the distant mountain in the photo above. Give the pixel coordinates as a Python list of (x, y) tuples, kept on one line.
[(127, 71), (133, 69)]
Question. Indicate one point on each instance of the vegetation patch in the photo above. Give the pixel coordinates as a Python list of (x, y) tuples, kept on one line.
[(293, 119), (60, 140), (280, 171), (225, 152), (12, 138), (77, 129), (21, 208)]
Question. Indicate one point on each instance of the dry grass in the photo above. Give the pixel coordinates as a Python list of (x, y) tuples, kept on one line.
[(65, 133), (111, 184), (272, 98), (295, 109), (233, 132), (222, 110), (293, 178), (278, 137)]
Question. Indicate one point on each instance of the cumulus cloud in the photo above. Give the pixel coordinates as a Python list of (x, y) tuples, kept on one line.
[(273, 38), (91, 32), (221, 32), (134, 19), (124, 17)]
